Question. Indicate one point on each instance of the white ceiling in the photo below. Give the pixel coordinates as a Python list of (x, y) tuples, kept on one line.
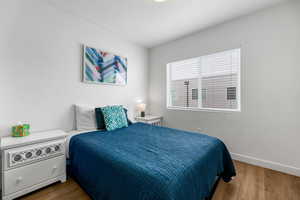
[(149, 24)]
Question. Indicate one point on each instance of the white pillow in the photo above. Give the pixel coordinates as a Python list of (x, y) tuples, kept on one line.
[(85, 117)]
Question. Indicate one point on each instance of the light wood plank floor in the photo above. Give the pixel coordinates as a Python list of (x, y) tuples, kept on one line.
[(251, 183)]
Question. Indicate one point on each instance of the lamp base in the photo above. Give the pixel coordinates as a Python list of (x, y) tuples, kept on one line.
[(143, 114)]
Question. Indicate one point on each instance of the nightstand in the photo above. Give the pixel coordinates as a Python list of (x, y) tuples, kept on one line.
[(32, 162), (150, 119)]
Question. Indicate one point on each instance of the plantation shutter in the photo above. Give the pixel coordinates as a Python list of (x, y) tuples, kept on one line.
[(206, 82), (184, 82)]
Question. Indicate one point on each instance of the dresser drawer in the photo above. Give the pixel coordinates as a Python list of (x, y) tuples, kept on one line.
[(21, 156), (23, 177)]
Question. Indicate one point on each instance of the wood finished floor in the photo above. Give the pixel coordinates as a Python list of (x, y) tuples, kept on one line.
[(251, 183)]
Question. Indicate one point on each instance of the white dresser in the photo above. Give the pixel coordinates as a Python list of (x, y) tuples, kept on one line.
[(31, 162)]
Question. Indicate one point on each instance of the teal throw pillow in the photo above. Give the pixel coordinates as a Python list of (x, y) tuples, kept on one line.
[(114, 117)]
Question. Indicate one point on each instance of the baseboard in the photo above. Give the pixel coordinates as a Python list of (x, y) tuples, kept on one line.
[(267, 164)]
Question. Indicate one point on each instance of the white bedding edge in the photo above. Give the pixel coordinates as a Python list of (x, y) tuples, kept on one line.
[(73, 133)]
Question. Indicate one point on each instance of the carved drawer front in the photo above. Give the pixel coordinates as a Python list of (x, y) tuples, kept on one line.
[(21, 156), (29, 175)]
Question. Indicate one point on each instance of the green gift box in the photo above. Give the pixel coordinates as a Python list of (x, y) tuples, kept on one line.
[(20, 130)]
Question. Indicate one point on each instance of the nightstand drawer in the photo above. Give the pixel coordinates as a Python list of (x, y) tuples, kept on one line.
[(23, 177)]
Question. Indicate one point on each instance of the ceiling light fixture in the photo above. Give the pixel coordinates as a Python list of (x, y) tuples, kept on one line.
[(160, 1)]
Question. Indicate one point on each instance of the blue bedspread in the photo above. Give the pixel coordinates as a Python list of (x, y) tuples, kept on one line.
[(144, 162)]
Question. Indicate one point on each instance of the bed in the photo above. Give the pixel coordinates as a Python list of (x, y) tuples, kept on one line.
[(145, 162)]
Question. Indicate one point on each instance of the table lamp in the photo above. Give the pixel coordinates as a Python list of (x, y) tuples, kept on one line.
[(142, 107)]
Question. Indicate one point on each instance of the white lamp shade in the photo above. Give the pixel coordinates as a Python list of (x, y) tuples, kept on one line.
[(141, 107)]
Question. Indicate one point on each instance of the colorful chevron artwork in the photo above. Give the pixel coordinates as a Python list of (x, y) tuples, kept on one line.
[(104, 67)]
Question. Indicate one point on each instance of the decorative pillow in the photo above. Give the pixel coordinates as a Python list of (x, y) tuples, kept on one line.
[(128, 120), (100, 118), (114, 117), (85, 118)]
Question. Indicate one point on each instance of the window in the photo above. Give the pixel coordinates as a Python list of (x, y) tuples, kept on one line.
[(204, 94), (216, 76), (231, 93), (195, 94)]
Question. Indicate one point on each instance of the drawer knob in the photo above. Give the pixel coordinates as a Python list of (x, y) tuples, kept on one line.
[(19, 179), (55, 167)]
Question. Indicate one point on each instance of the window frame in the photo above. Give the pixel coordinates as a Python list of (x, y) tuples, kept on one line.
[(238, 89)]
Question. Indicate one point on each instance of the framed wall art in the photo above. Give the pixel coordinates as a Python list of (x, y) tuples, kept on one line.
[(102, 67)]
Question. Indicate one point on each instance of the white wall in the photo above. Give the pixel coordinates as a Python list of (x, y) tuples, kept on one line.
[(267, 131), (40, 62)]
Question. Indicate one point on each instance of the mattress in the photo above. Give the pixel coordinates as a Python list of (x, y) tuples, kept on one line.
[(144, 162)]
